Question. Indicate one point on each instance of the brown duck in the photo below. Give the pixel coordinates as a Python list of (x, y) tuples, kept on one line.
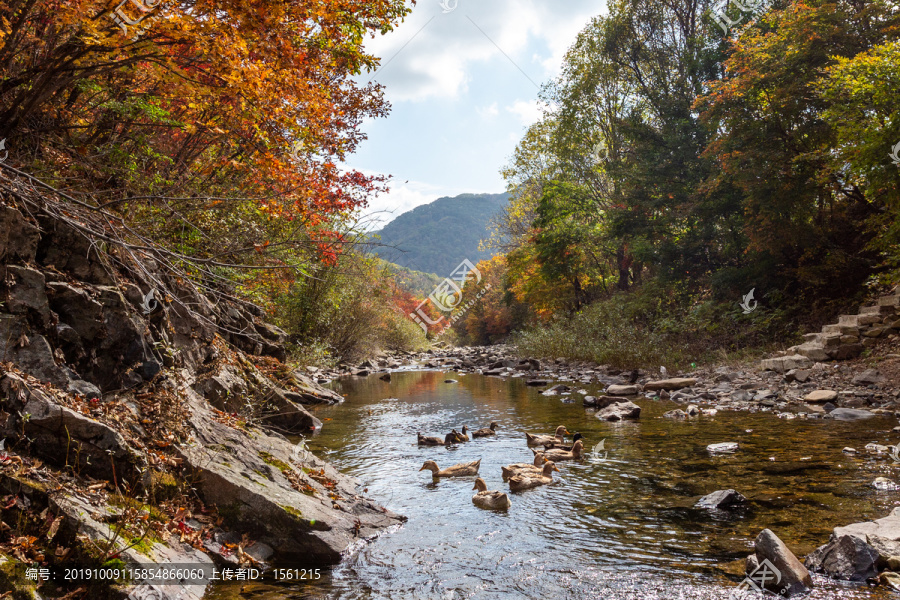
[(486, 431)]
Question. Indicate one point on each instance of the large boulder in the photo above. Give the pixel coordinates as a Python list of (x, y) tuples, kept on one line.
[(310, 392), (845, 557), (791, 577), (856, 552), (308, 515)]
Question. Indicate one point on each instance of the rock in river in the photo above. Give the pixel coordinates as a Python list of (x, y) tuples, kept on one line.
[(851, 414), (722, 447), (620, 411), (791, 576), (722, 499), (855, 552)]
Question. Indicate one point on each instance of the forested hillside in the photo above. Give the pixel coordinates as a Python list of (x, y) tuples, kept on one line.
[(682, 163), (436, 237)]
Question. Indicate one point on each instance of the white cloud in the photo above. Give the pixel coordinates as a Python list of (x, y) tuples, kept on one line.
[(430, 53), (528, 111), (488, 112)]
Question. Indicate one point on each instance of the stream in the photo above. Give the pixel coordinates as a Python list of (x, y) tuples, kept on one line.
[(618, 528)]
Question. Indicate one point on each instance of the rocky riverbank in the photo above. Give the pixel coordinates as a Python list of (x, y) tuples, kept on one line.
[(845, 390), (145, 424)]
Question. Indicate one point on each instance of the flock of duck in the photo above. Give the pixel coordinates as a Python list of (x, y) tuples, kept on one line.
[(521, 476)]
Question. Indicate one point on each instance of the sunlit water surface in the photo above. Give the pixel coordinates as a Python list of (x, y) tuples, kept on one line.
[(619, 528)]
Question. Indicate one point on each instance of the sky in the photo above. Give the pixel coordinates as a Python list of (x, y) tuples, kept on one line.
[(463, 79)]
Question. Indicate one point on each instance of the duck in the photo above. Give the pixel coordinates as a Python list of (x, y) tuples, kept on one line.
[(556, 445), (461, 437), (576, 453), (486, 431), (436, 441), (460, 470), (524, 468), (539, 440), (518, 483), (489, 499)]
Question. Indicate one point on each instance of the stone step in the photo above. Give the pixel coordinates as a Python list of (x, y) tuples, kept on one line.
[(812, 337), (864, 320), (852, 320), (829, 341), (831, 329), (813, 352), (876, 310), (889, 301)]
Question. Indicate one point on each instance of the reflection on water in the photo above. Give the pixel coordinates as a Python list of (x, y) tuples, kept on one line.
[(620, 528)]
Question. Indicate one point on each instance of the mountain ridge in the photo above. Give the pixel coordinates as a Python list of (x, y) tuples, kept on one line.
[(438, 236)]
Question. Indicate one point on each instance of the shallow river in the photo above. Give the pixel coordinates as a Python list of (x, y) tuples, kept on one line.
[(619, 528)]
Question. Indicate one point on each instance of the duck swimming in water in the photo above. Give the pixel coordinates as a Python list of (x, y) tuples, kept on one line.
[(460, 470), (489, 499), (525, 482), (486, 431), (540, 440)]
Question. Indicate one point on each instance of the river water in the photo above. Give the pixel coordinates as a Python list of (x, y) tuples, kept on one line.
[(619, 528)]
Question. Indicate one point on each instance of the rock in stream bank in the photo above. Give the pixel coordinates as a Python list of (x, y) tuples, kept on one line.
[(152, 436)]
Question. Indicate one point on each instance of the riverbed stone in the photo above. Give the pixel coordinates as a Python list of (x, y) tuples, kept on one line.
[(675, 414), (795, 578), (868, 377), (722, 499), (723, 447), (821, 396), (786, 363), (845, 557), (676, 383), (620, 411), (537, 382), (741, 395), (885, 485), (851, 414), (622, 390)]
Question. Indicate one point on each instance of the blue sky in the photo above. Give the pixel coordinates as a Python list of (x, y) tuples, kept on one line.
[(463, 88)]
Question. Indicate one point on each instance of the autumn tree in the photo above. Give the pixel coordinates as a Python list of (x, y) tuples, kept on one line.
[(211, 130)]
